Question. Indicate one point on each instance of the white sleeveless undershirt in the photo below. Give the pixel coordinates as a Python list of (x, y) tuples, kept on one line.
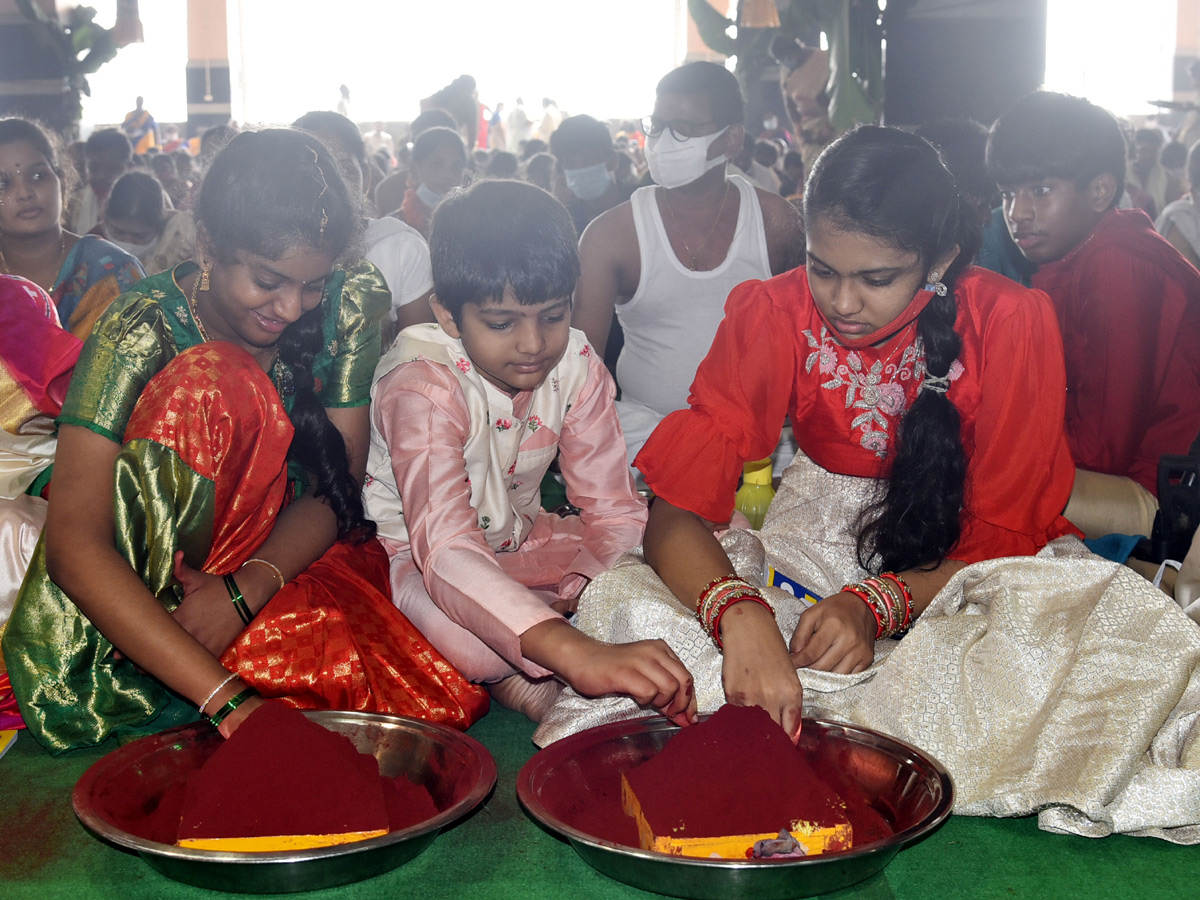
[(671, 319)]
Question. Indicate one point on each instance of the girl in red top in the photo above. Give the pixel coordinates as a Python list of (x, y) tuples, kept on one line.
[(896, 361)]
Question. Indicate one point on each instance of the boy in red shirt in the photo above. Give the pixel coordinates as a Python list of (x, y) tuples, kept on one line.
[(1128, 303)]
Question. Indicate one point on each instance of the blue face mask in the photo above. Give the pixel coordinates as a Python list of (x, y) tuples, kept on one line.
[(429, 197), (589, 182)]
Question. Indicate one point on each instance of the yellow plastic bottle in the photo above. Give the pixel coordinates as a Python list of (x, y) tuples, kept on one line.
[(756, 492)]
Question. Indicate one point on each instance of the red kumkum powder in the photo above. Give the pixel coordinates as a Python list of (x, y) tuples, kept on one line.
[(281, 774), (738, 773)]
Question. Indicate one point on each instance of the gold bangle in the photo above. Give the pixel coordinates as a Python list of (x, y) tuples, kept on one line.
[(270, 565)]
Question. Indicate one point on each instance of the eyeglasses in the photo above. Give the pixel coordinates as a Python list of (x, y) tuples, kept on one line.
[(652, 126)]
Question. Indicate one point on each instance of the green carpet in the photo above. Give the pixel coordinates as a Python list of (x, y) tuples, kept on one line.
[(500, 853)]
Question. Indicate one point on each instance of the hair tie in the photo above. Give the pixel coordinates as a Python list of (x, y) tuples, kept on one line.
[(939, 384)]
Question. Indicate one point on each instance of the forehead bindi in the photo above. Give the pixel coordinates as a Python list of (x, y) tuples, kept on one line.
[(19, 156)]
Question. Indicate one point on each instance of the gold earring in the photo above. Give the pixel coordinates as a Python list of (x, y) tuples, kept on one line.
[(204, 276)]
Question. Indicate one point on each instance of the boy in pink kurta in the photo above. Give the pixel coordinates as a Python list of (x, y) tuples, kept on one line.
[(467, 416)]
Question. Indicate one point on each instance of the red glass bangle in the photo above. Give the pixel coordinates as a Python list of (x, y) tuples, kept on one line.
[(866, 598)]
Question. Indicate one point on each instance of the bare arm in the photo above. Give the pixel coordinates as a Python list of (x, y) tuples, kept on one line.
[(756, 669), (82, 558), (785, 233), (647, 671), (608, 273)]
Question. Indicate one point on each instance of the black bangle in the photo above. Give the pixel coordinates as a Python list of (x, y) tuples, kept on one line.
[(230, 705), (239, 602)]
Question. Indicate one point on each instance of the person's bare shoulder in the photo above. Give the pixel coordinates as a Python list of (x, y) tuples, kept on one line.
[(611, 233), (784, 230)]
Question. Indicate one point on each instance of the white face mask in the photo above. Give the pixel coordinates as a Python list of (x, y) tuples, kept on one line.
[(138, 250), (674, 163), (429, 196)]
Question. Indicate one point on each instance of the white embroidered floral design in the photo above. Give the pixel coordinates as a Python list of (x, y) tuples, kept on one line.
[(883, 402)]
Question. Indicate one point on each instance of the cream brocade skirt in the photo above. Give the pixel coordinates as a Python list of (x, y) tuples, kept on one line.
[(1061, 684)]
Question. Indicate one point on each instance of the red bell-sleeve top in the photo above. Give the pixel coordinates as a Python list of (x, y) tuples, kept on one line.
[(773, 356)]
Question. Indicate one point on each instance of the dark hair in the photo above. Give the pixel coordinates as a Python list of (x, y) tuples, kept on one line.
[(109, 140), (163, 161), (44, 141), (963, 146), (1173, 156), (265, 193), (431, 140), (502, 165), (1048, 135), (539, 168), (893, 186), (137, 195), (214, 139), (333, 127), (764, 151), (708, 80), (432, 118), (341, 137), (532, 147), (793, 158), (499, 235), (580, 134), (1149, 135)]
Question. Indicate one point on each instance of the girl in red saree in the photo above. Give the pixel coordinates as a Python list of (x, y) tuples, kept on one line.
[(205, 541)]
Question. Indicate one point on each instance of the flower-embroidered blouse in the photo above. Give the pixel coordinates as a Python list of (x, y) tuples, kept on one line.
[(774, 357)]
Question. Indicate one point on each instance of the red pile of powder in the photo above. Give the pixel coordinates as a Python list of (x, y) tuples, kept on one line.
[(281, 774), (735, 773)]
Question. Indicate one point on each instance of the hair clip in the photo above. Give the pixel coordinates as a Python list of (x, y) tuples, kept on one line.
[(939, 384), (324, 188)]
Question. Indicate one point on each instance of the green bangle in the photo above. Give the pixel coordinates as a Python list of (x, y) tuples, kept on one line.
[(230, 705), (239, 602)]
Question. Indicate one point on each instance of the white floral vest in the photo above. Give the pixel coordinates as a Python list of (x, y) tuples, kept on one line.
[(506, 457)]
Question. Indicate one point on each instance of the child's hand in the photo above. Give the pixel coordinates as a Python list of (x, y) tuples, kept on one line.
[(756, 670), (647, 671), (835, 635)]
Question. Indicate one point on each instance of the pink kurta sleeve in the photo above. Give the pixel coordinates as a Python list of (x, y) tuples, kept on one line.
[(599, 482), (421, 414)]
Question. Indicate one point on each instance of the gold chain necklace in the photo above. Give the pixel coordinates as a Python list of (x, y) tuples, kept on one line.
[(62, 254), (195, 312), (704, 243)]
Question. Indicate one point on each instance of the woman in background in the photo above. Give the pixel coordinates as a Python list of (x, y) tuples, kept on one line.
[(140, 219), (82, 274)]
